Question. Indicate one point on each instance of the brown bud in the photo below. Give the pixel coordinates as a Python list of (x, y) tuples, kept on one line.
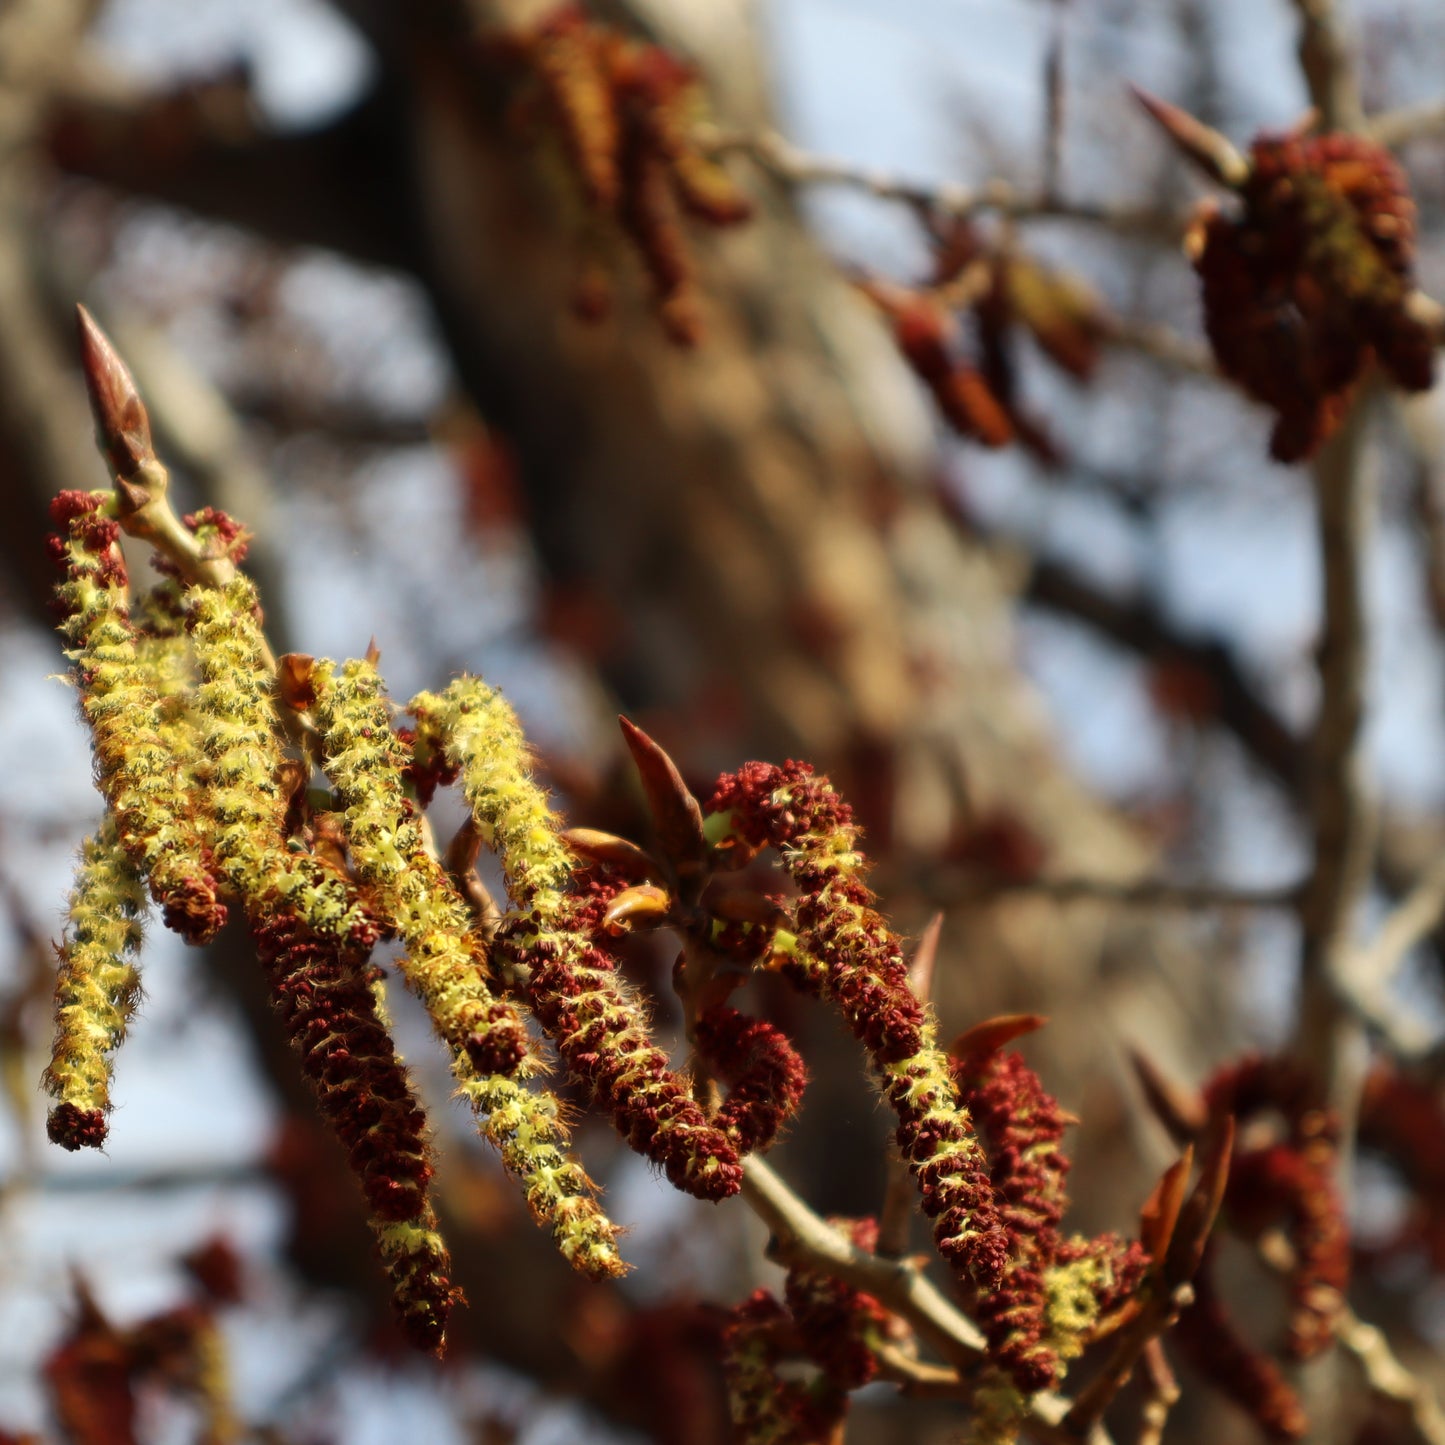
[(644, 904), (925, 958), (675, 812), (993, 1034), (121, 423), (1181, 1111), (1160, 1214), (294, 680), (1201, 1209), (746, 905), (1212, 152), (614, 852)]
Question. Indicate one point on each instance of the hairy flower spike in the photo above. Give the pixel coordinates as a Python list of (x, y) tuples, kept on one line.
[(626, 113), (1022, 1128), (840, 1326), (554, 931), (446, 960), (95, 991), (764, 1074), (1292, 1181), (1309, 282), (767, 1407), (143, 778), (314, 939), (863, 972)]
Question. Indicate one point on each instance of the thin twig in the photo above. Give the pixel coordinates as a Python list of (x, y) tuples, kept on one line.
[(1389, 1379), (786, 162), (1328, 62), (1135, 893), (1412, 921), (1343, 801), (1396, 128), (1161, 1393), (804, 1239)]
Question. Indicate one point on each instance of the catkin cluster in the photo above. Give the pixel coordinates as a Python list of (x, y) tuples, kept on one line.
[(286, 793)]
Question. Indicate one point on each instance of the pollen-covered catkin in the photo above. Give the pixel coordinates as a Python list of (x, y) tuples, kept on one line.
[(96, 990), (445, 960), (314, 939), (141, 777), (862, 972), (554, 932)]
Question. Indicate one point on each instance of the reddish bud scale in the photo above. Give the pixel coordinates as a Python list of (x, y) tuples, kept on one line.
[(766, 1405), (845, 947), (965, 399), (838, 1324), (1310, 281), (764, 1073), (601, 1031), (1206, 1333), (428, 769)]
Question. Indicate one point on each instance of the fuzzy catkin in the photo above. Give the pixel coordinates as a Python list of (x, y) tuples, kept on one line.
[(96, 990), (554, 931), (142, 779), (445, 961), (858, 962), (314, 939)]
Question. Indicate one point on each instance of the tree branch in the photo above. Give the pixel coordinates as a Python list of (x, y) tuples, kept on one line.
[(804, 1239), (785, 162)]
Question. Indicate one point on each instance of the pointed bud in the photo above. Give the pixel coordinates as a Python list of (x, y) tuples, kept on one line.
[(1201, 1209), (614, 852), (993, 1034), (644, 904), (294, 680), (373, 653), (1160, 1213), (675, 812), (1212, 152), (121, 423), (925, 958), (1180, 1110)]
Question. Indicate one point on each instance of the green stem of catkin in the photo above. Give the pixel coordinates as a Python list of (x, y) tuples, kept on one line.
[(445, 959), (97, 988)]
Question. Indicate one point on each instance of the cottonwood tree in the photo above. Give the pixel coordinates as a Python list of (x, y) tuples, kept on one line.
[(705, 423)]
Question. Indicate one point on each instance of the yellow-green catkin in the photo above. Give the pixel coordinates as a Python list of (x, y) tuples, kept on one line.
[(139, 772), (314, 937), (96, 990), (599, 1026), (445, 959), (1072, 1289), (476, 727)]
